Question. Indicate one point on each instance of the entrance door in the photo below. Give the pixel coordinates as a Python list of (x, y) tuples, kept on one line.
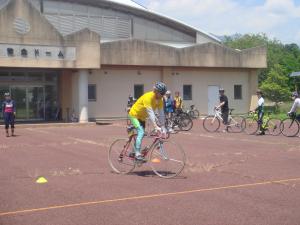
[(213, 98), (36, 103), (30, 102), (19, 96)]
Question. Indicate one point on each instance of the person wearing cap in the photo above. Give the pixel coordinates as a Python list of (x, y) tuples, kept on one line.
[(9, 113), (260, 111), (224, 107), (295, 97), (169, 104), (143, 108), (169, 107)]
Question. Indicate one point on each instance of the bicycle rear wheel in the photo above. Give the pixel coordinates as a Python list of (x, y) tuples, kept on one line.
[(167, 159), (273, 127), (235, 124), (289, 127), (194, 114), (211, 123), (118, 156), (250, 126), (185, 122)]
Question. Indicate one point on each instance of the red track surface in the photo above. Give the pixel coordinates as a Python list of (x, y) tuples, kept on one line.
[(230, 179)]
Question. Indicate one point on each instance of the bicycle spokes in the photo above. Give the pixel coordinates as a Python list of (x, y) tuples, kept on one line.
[(167, 159)]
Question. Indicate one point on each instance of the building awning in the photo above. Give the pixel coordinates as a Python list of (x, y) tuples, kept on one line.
[(295, 74)]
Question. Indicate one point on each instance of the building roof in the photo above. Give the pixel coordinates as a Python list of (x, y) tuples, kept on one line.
[(139, 10), (131, 3), (128, 3)]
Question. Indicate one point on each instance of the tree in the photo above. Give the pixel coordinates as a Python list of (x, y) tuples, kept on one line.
[(281, 61), (275, 87)]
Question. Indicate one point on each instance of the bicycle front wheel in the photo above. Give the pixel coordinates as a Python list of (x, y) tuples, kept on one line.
[(211, 123), (273, 127), (250, 126), (167, 159), (289, 127), (235, 124), (119, 156)]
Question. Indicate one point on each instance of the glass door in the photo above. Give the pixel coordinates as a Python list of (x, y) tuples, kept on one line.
[(30, 102), (19, 96), (36, 103)]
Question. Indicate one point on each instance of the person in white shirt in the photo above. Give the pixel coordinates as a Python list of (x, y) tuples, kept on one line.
[(260, 111), (296, 104)]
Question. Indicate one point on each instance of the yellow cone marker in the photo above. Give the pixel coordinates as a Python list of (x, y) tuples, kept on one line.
[(155, 160), (41, 180)]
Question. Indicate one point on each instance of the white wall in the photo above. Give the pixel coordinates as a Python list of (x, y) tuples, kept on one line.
[(114, 87), (201, 79)]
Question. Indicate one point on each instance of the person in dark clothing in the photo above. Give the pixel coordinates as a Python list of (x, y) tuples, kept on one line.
[(9, 113), (224, 107)]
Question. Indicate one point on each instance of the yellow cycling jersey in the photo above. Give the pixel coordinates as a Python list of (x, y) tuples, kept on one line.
[(148, 100), (178, 102)]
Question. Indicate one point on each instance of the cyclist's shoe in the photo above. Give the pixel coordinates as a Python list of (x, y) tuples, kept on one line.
[(261, 133), (140, 158)]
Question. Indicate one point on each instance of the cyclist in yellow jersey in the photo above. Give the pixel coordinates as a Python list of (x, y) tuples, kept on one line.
[(143, 108)]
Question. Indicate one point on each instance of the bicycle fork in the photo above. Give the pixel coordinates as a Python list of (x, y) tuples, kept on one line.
[(162, 151)]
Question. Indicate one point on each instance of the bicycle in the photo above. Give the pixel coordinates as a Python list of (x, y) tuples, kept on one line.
[(269, 124), (166, 158), (212, 123), (290, 126), (193, 112), (179, 121)]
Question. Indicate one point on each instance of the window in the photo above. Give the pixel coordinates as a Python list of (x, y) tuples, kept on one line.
[(238, 92), (187, 92), (138, 90), (92, 92)]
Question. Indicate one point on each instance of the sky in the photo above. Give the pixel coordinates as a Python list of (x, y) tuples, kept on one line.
[(279, 19)]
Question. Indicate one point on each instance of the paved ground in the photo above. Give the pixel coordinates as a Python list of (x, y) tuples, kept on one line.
[(230, 179)]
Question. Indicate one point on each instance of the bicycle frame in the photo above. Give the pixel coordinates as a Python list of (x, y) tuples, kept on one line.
[(218, 115), (145, 151), (294, 118), (254, 117)]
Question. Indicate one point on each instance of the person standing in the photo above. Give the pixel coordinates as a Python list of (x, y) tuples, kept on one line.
[(178, 101), (9, 113), (169, 104), (260, 111), (169, 108), (224, 107)]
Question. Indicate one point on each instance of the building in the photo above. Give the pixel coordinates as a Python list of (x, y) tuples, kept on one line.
[(85, 57)]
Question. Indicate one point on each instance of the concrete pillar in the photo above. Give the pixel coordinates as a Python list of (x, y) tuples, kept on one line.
[(252, 85), (83, 96)]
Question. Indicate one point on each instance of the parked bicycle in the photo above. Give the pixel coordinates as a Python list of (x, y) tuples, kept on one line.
[(212, 123), (290, 126), (193, 112), (179, 121), (166, 158), (270, 125)]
